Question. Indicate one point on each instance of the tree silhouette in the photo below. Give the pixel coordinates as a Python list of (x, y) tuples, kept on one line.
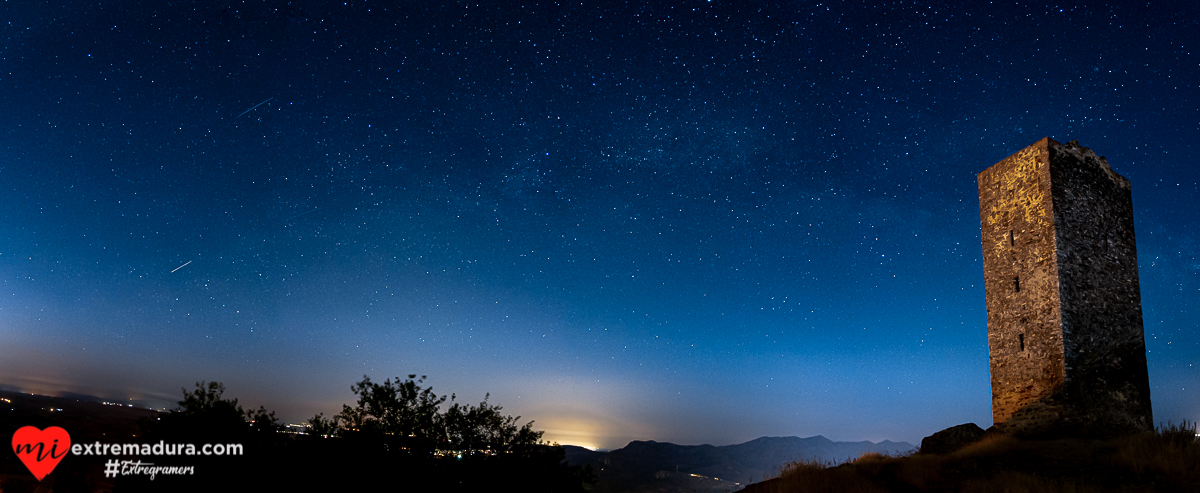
[(205, 416), (483, 428), (262, 421), (206, 400), (410, 414), (397, 429), (203, 412), (204, 407), (399, 409), (323, 427), (399, 425)]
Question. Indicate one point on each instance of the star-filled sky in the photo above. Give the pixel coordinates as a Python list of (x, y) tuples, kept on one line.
[(687, 221)]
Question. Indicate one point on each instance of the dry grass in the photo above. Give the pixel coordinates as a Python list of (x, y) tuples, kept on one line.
[(995, 444), (1173, 451), (1168, 460), (818, 476), (803, 467)]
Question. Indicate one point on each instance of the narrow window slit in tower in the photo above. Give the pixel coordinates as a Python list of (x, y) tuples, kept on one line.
[(1011, 240), (1021, 337), (1017, 284)]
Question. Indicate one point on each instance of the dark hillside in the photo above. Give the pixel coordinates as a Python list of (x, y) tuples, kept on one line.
[(1166, 461)]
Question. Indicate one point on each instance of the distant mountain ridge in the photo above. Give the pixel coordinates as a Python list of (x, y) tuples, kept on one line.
[(141, 403), (659, 466)]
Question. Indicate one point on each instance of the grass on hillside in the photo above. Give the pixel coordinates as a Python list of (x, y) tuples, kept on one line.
[(1167, 460)]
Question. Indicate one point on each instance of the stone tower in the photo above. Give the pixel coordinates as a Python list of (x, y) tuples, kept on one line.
[(1064, 308)]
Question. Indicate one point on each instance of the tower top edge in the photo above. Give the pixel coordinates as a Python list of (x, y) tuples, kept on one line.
[(1042, 144), (1086, 157), (1073, 149)]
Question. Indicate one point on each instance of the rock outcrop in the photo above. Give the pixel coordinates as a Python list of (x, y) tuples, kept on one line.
[(952, 439)]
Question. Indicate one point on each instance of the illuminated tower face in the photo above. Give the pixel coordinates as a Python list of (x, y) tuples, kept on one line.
[(1064, 306)]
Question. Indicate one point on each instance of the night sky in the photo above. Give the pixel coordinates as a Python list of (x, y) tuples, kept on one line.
[(696, 221)]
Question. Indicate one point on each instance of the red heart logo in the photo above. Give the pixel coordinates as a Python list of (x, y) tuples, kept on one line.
[(41, 450)]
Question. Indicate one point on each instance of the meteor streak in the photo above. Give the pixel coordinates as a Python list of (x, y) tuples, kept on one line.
[(252, 107), (303, 213), (182, 266)]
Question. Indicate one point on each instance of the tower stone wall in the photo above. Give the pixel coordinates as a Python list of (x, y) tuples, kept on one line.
[(1065, 334)]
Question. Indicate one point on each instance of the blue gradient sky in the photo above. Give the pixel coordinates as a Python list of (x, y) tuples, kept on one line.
[(697, 222)]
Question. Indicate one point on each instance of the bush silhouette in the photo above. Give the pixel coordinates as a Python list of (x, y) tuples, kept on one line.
[(395, 436)]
